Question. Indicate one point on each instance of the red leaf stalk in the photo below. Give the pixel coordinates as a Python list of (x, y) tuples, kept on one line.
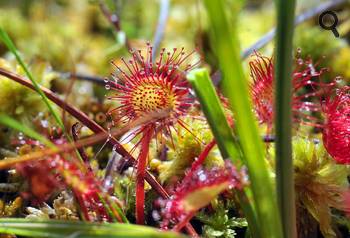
[(204, 154), (140, 176)]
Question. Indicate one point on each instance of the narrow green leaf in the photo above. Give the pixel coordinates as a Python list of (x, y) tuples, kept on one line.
[(63, 229), (10, 45), (283, 81), (214, 113), (227, 144), (235, 88), (116, 208)]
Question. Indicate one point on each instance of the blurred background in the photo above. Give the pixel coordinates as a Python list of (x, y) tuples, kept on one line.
[(76, 36), (59, 38)]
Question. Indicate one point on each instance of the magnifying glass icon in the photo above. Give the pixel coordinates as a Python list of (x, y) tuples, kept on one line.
[(324, 19)]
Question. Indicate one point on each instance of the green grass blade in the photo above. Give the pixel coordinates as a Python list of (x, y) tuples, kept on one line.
[(10, 45), (211, 106), (235, 87), (12, 123), (116, 208), (227, 144), (63, 229), (283, 81)]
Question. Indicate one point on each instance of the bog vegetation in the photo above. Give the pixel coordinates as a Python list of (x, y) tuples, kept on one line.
[(174, 119)]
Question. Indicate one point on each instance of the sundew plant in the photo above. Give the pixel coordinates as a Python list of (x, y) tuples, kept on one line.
[(175, 119)]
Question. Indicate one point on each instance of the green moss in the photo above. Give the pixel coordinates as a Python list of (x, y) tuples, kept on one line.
[(43, 30), (18, 101), (187, 148), (220, 223), (319, 184), (341, 64)]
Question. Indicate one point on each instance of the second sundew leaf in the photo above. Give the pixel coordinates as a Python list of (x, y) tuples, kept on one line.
[(235, 88), (10, 45)]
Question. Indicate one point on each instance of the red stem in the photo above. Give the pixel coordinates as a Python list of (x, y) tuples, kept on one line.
[(183, 222), (96, 128), (140, 177), (204, 154)]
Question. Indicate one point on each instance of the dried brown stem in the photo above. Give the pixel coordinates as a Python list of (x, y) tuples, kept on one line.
[(114, 19), (75, 132)]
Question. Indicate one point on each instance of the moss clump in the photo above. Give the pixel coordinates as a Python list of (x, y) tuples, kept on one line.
[(319, 182), (63, 208), (11, 209), (18, 101), (221, 222), (188, 146), (342, 63)]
